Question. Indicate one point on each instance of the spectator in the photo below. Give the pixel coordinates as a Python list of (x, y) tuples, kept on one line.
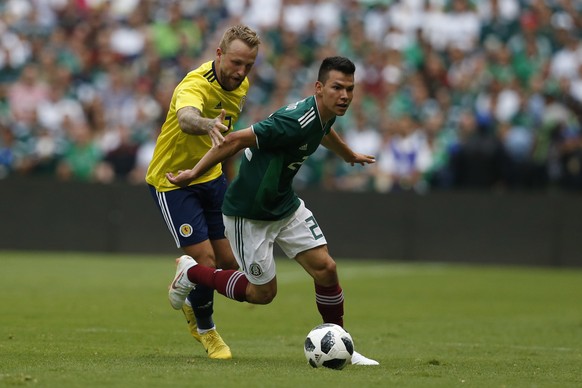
[(128, 36), (82, 158), (9, 155), (172, 35), (15, 52), (56, 112), (404, 158), (114, 63), (362, 136), (28, 92), (143, 156), (565, 61), (440, 141), (120, 160), (478, 159), (499, 20)]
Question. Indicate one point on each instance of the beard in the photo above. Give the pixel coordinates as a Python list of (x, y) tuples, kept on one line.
[(229, 83)]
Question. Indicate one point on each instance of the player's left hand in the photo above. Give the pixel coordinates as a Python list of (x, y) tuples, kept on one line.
[(182, 179), (362, 159)]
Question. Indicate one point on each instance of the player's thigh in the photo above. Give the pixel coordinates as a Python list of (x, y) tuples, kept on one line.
[(223, 254), (211, 196), (252, 245), (303, 240), (300, 233), (183, 213), (202, 252)]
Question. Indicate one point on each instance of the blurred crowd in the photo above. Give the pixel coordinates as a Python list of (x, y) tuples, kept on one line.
[(451, 94)]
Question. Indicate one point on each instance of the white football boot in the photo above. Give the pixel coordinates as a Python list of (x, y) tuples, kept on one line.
[(359, 359), (181, 286)]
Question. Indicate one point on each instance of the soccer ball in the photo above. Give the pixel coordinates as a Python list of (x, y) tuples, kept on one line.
[(328, 346)]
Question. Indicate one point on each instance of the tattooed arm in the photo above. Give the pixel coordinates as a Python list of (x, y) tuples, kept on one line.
[(192, 122)]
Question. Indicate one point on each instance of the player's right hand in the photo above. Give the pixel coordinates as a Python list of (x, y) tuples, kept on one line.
[(182, 179), (215, 131)]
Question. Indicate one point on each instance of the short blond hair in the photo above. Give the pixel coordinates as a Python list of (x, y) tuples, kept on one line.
[(240, 32)]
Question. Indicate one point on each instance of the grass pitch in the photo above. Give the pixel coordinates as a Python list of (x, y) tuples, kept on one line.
[(103, 320)]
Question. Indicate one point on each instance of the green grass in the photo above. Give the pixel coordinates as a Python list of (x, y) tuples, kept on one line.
[(103, 320)]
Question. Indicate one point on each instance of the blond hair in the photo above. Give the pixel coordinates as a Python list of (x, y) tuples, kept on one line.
[(241, 32)]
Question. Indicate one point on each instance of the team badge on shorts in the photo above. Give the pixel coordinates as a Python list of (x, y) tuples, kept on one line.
[(255, 270), (185, 230)]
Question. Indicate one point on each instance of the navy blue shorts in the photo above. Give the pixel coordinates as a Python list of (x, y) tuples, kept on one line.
[(194, 213)]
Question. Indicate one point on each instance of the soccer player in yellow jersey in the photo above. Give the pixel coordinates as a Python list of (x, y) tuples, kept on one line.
[(204, 107)]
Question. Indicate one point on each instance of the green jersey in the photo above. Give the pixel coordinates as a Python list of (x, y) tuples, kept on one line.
[(263, 188)]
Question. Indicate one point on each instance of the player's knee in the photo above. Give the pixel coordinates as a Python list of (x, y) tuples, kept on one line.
[(264, 298), (330, 267), (202, 252), (262, 295), (326, 273)]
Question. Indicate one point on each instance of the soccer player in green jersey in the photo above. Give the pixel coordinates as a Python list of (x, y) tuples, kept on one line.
[(203, 109), (261, 208)]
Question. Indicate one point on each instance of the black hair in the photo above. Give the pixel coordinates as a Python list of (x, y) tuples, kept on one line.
[(341, 64)]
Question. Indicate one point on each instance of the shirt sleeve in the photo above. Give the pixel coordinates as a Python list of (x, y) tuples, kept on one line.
[(277, 131), (192, 92)]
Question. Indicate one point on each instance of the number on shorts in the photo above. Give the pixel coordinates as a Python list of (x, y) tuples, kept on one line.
[(315, 225)]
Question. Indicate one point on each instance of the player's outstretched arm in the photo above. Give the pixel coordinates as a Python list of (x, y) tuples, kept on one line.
[(233, 143), (192, 122), (334, 142)]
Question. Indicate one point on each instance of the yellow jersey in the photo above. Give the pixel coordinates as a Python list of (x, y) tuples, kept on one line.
[(176, 150)]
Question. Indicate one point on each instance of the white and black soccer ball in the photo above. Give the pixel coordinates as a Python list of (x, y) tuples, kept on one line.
[(328, 346)]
